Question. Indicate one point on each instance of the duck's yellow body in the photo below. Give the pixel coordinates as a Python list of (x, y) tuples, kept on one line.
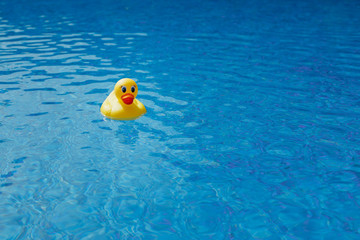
[(121, 103)]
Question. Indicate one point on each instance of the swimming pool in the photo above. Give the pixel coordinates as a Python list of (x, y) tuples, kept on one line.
[(252, 129)]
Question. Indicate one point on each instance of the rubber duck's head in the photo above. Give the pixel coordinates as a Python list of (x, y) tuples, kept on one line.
[(126, 91)]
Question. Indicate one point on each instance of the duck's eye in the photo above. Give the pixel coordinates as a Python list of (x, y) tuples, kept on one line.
[(123, 89), (133, 88)]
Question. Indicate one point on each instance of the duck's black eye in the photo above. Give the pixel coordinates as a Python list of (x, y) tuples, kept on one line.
[(133, 88), (123, 89)]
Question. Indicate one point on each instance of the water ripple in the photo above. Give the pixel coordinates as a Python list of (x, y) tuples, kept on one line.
[(251, 130)]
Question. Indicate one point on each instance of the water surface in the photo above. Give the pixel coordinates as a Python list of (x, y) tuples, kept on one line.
[(252, 129)]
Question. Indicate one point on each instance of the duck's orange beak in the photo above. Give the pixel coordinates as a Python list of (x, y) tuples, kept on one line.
[(128, 98)]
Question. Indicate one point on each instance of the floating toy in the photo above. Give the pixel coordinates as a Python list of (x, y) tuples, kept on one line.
[(122, 104)]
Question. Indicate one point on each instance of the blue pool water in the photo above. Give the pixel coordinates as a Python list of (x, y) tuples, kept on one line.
[(252, 129)]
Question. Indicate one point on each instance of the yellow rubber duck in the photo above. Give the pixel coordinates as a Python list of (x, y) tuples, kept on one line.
[(121, 103)]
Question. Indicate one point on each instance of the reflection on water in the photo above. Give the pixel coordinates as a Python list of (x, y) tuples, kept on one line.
[(252, 127)]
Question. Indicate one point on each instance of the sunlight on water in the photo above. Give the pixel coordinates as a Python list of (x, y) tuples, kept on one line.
[(252, 129)]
